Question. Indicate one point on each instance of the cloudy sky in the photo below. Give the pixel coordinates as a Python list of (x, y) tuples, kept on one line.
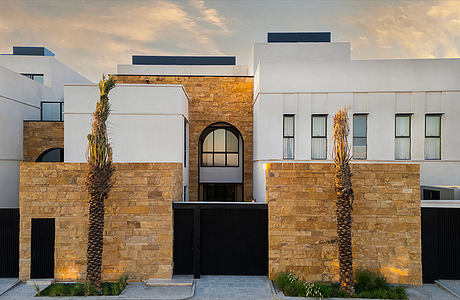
[(94, 36)]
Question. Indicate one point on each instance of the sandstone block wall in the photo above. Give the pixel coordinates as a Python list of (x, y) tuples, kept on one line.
[(39, 136), (386, 228), (138, 233), (212, 99)]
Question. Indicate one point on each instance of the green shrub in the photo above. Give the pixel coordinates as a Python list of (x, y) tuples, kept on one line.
[(281, 281), (325, 289)]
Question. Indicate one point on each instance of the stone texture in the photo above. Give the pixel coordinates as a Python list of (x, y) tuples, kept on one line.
[(212, 99), (138, 231), (386, 228), (40, 136)]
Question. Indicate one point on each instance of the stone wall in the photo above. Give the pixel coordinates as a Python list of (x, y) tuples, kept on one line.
[(138, 231), (386, 228), (212, 99), (40, 136)]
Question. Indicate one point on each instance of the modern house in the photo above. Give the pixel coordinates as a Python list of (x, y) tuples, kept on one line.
[(191, 132)]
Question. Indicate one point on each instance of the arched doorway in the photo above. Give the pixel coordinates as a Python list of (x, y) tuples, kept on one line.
[(51, 155), (220, 160)]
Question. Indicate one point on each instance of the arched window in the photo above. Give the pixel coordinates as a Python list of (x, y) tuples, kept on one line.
[(51, 155), (220, 148)]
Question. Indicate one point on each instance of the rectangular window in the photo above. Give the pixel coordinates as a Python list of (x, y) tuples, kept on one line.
[(185, 193), (433, 136), (288, 136), (360, 136), (185, 143), (52, 111), (36, 77), (402, 137), (318, 136)]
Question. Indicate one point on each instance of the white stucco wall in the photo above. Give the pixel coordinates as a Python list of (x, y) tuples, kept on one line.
[(19, 100), (146, 122), (182, 70), (56, 74), (380, 88)]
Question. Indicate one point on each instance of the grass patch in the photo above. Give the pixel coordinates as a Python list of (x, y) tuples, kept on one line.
[(367, 285), (84, 289)]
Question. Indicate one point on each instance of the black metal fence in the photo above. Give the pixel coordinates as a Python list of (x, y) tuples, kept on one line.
[(440, 243), (9, 242)]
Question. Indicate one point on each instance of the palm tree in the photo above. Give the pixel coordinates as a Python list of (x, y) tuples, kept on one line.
[(342, 156), (98, 181)]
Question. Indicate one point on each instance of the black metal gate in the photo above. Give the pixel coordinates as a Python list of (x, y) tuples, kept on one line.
[(440, 243), (42, 248), (220, 238), (9, 242)]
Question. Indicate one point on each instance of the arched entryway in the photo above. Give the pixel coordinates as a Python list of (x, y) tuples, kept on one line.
[(51, 155), (220, 161)]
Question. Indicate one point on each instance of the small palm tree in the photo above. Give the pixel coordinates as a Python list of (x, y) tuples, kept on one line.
[(342, 156), (98, 181)]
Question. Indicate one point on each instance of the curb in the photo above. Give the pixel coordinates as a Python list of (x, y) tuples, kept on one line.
[(442, 286), (10, 287), (279, 295)]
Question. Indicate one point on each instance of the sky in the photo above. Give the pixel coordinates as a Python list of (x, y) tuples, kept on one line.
[(94, 36)]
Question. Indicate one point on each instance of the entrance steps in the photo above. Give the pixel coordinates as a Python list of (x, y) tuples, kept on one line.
[(185, 280)]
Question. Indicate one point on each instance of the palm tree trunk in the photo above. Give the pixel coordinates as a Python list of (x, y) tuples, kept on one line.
[(344, 190), (98, 182)]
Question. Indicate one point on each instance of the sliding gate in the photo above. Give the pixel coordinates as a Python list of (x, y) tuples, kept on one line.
[(220, 238)]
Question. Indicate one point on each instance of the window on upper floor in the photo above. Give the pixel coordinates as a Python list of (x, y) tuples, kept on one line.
[(318, 136), (402, 137), (288, 136), (433, 136), (185, 143), (52, 111), (220, 148), (360, 136), (36, 77)]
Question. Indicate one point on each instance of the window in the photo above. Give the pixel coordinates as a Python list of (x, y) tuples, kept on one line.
[(360, 136), (288, 136), (185, 143), (433, 136), (52, 111), (51, 155), (185, 193), (402, 137), (431, 194), (35, 77), (220, 148), (318, 136)]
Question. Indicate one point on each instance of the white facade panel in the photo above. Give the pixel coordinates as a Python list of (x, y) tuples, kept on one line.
[(146, 123)]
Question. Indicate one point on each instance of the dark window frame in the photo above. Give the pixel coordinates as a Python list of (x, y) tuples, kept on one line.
[(33, 75), (61, 110), (354, 136), (43, 154), (427, 136), (318, 136), (288, 136), (226, 152), (185, 142), (403, 136)]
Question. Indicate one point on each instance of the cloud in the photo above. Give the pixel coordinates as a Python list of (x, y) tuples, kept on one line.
[(94, 37), (211, 15), (416, 29)]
